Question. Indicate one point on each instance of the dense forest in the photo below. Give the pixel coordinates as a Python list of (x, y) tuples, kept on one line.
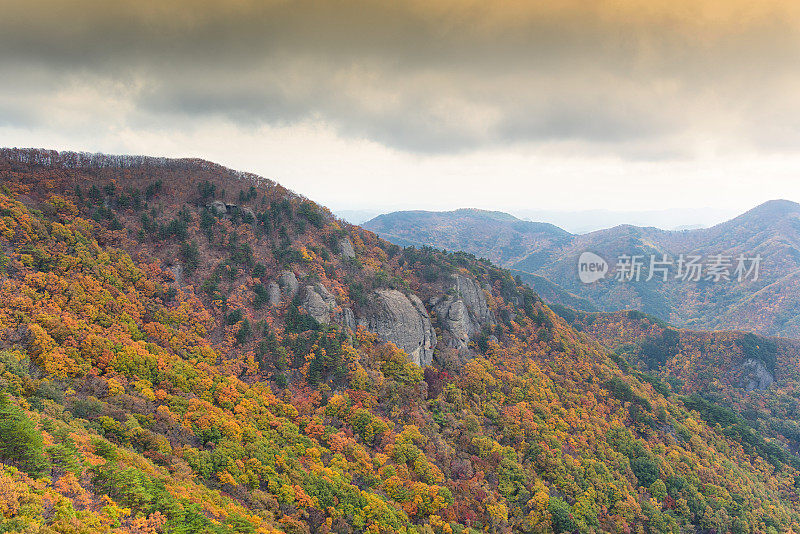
[(185, 348), (748, 383)]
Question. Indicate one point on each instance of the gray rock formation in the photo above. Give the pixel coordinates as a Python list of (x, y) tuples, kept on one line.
[(318, 302), (345, 318), (177, 273), (756, 375), (346, 248), (273, 294), (288, 284), (463, 311), (405, 322), (221, 209), (218, 207)]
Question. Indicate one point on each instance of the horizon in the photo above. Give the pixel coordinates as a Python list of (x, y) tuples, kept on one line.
[(590, 220), (573, 221)]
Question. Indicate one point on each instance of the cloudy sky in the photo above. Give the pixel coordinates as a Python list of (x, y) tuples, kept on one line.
[(549, 105)]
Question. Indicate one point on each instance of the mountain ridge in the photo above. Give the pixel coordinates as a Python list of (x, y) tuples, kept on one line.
[(770, 231)]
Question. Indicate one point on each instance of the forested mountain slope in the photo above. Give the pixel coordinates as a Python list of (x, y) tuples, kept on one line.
[(737, 378), (179, 359), (765, 304)]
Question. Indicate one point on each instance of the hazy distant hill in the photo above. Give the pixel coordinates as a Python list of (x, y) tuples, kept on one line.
[(584, 221), (768, 305), (494, 235)]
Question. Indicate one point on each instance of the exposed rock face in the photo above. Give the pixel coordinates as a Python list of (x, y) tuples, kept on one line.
[(221, 209), (346, 248), (318, 302), (345, 318), (405, 322), (756, 375), (273, 294), (177, 272), (288, 284), (218, 207), (463, 311)]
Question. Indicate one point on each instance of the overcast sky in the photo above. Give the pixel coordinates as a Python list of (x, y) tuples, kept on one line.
[(431, 104)]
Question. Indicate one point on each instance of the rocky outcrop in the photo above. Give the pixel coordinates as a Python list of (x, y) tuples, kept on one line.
[(318, 302), (273, 294), (177, 273), (403, 321), (755, 375), (288, 284), (221, 209), (346, 248), (218, 207), (345, 318), (462, 311)]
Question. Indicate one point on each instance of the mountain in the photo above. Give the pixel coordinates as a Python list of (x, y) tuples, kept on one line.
[(497, 236), (584, 221), (766, 304), (188, 348)]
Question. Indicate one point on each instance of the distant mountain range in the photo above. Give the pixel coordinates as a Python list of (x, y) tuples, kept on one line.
[(767, 303), (494, 235), (583, 221)]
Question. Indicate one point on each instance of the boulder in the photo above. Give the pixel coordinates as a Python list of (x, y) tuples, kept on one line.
[(404, 321), (346, 248), (218, 207), (288, 284), (463, 311), (273, 294), (318, 302)]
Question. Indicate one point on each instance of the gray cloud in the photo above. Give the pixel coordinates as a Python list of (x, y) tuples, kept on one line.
[(632, 77)]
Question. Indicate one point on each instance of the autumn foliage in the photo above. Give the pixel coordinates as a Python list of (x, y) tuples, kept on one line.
[(154, 389)]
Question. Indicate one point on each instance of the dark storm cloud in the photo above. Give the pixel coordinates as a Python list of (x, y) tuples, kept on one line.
[(420, 76)]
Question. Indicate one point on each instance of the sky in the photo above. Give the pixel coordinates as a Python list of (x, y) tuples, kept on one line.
[(625, 105)]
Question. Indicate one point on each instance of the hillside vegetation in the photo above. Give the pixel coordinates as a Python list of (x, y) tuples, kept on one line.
[(746, 382), (190, 349)]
